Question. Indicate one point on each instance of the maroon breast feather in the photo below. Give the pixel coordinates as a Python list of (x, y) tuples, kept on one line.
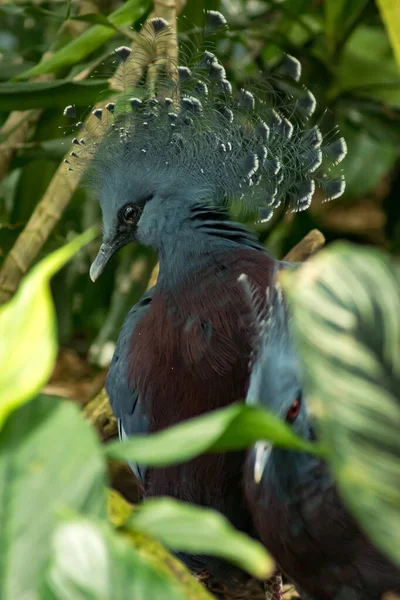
[(192, 353)]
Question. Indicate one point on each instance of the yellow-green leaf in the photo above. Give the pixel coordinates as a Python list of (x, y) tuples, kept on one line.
[(390, 11), (28, 342), (196, 530), (193, 529), (93, 562), (233, 428)]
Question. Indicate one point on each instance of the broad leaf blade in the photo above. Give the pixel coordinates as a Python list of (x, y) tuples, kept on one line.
[(390, 11), (28, 342), (186, 528), (50, 460), (232, 428), (346, 305), (92, 562)]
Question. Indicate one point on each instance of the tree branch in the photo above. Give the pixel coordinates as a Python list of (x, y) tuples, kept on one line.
[(308, 246)]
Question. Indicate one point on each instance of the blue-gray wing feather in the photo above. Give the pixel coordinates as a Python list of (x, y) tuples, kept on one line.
[(124, 398)]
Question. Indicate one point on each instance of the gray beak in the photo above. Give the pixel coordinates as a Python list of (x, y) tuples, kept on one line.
[(105, 253), (263, 451)]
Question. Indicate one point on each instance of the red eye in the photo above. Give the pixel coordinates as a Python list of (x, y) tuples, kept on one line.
[(130, 213), (294, 410)]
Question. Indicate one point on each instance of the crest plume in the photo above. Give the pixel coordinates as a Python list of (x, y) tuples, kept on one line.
[(181, 123)]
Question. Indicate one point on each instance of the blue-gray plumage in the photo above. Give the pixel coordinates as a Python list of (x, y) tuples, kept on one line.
[(124, 398), (296, 508), (166, 169)]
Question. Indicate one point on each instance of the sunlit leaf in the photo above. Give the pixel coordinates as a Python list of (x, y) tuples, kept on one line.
[(186, 528), (390, 11), (232, 428), (92, 562), (28, 342), (50, 460), (346, 304)]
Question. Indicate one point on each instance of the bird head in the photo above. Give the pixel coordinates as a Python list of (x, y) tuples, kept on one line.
[(135, 205), (183, 135)]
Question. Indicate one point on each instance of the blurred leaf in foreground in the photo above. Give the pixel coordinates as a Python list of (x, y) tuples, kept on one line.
[(390, 11), (232, 428), (50, 460), (28, 342), (346, 304), (192, 529), (92, 562), (186, 528)]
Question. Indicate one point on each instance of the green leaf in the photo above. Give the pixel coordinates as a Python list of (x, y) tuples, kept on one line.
[(368, 160), (92, 562), (94, 19), (370, 74), (90, 40), (340, 17), (346, 305), (28, 342), (50, 460), (390, 12), (232, 428), (51, 94), (186, 528)]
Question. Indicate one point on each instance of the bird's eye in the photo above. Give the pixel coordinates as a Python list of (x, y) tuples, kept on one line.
[(130, 213), (294, 410)]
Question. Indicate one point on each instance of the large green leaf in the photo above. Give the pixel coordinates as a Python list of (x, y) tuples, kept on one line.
[(369, 74), (92, 562), (390, 11), (346, 304), (28, 342), (232, 428), (340, 17), (50, 460), (90, 40), (25, 95), (192, 529)]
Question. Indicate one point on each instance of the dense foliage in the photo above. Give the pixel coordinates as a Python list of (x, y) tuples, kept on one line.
[(57, 539)]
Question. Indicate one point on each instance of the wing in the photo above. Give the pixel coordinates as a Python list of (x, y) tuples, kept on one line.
[(124, 399)]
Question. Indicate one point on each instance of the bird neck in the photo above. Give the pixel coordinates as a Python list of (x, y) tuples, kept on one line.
[(205, 234)]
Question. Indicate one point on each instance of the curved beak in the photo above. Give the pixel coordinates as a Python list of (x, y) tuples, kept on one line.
[(263, 451), (105, 253)]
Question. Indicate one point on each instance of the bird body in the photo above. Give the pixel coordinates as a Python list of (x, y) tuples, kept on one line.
[(197, 338), (296, 508), (315, 541), (167, 169), (189, 353)]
